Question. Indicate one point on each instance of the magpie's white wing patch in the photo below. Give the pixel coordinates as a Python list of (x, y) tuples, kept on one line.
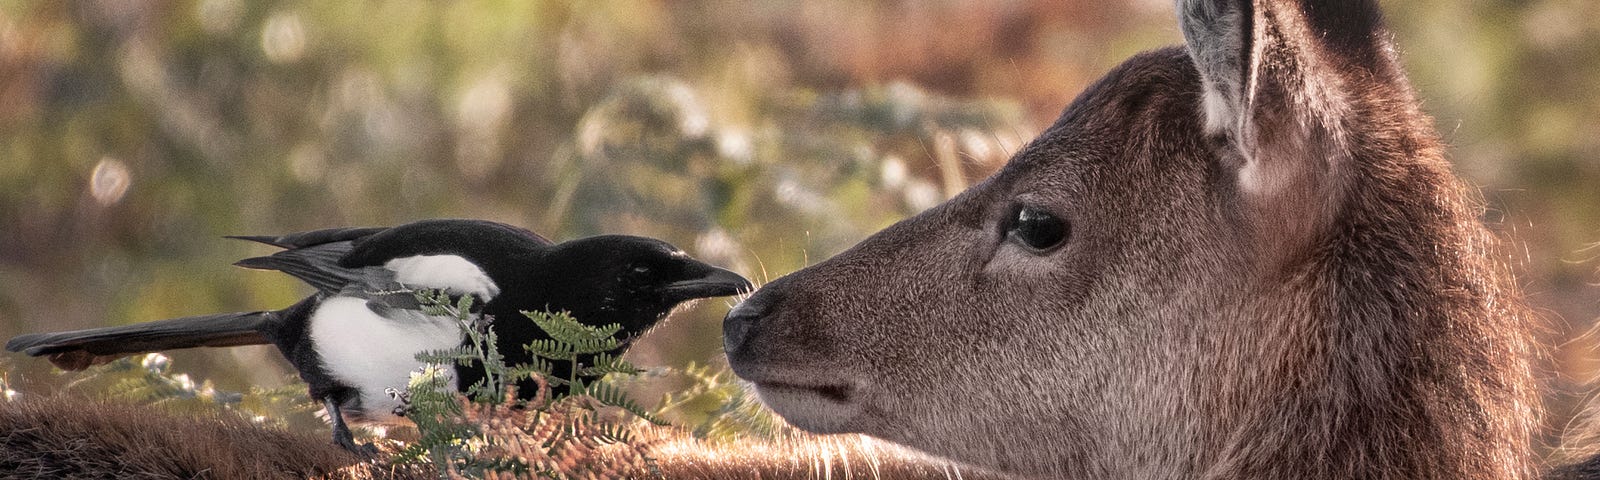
[(450, 273), (372, 353)]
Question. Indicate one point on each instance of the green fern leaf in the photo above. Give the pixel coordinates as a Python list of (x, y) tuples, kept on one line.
[(610, 395)]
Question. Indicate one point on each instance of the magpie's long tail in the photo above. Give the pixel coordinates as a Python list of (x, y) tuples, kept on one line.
[(78, 349)]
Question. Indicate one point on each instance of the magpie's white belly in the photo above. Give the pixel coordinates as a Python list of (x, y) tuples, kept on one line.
[(371, 353)]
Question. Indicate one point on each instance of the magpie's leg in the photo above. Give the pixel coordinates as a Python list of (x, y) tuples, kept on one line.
[(341, 431)]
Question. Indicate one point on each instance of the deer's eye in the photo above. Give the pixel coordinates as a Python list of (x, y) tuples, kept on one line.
[(1037, 229)]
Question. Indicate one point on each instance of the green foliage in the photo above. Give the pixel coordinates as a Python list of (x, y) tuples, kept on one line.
[(453, 437), (149, 380), (717, 406), (448, 441), (286, 406), (609, 394), (571, 342), (480, 347), (445, 441)]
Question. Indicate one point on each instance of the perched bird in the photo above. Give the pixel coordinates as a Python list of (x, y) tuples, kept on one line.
[(358, 335)]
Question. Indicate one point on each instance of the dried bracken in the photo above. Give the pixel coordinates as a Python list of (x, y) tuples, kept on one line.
[(70, 437), (570, 440)]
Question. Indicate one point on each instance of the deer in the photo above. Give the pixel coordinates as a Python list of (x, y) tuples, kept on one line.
[(1245, 257)]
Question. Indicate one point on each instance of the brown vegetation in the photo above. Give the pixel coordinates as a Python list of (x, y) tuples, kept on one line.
[(70, 437)]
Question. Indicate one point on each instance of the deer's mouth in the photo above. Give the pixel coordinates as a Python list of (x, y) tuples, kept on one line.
[(803, 385), (815, 403), (839, 393), (824, 408)]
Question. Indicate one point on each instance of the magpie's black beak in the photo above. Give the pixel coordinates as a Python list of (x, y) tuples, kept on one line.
[(712, 282)]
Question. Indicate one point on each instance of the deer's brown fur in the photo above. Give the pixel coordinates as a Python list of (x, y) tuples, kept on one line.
[(68, 437), (1272, 273)]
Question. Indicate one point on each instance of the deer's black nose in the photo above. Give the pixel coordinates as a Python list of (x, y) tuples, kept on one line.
[(737, 325)]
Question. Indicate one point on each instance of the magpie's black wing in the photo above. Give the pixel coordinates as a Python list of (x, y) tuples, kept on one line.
[(313, 257), (312, 238), (342, 261), (316, 265)]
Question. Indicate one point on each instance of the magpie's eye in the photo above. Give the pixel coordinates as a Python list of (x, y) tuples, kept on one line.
[(639, 269), (1037, 229)]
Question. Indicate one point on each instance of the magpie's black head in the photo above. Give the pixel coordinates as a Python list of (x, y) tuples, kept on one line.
[(632, 280)]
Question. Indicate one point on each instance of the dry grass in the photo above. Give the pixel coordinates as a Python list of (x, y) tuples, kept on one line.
[(69, 437), (805, 457), (669, 452)]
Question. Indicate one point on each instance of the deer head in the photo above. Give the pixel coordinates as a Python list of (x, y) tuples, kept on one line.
[(1243, 258)]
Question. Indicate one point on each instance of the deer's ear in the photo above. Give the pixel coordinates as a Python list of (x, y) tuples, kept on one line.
[(1218, 34), (1282, 84)]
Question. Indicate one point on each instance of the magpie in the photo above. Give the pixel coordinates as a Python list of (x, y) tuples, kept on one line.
[(358, 335)]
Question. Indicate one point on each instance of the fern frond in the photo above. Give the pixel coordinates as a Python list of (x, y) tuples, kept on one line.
[(461, 355), (452, 436), (605, 363), (552, 349), (610, 395), (522, 372), (562, 327), (614, 433)]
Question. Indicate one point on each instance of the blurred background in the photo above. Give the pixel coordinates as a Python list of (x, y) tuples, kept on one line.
[(757, 135)]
